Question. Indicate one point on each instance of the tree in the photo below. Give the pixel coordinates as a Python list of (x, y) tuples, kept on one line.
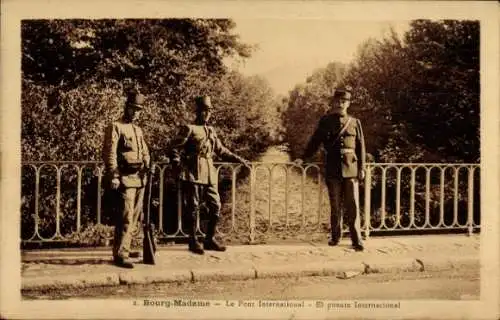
[(421, 93), (444, 109), (378, 76), (418, 97), (152, 52), (75, 73), (307, 103), (249, 110)]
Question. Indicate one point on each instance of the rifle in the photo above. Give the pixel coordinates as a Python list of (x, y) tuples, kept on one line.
[(148, 243)]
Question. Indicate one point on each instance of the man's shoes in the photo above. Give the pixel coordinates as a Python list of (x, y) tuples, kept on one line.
[(123, 263), (195, 247), (358, 247), (211, 244), (333, 243), (135, 254)]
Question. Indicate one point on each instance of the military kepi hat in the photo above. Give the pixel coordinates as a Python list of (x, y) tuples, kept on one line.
[(135, 99), (342, 93), (203, 103)]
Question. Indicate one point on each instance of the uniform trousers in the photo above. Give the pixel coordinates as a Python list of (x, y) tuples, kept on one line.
[(194, 194), (344, 192), (130, 209)]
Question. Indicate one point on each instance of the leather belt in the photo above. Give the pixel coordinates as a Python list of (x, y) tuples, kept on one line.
[(344, 151)]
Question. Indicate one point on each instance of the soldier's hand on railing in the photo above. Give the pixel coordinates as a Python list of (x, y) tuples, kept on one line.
[(243, 161), (115, 183), (298, 162), (246, 163)]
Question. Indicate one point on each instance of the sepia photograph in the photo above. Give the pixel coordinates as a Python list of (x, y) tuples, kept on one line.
[(178, 165)]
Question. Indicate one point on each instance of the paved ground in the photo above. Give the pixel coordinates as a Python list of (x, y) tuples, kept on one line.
[(457, 284), (49, 269)]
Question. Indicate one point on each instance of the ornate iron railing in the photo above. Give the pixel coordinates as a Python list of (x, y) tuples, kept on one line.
[(60, 199)]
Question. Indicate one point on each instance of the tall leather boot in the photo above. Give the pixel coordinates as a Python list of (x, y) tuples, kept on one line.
[(210, 242), (335, 236), (194, 245)]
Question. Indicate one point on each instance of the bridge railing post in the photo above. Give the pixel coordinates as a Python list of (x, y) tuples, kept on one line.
[(252, 206), (367, 202), (470, 201)]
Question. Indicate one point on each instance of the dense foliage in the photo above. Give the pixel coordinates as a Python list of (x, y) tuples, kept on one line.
[(306, 104), (75, 74), (418, 97)]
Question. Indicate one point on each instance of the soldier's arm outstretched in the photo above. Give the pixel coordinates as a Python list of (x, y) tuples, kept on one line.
[(224, 152), (316, 140)]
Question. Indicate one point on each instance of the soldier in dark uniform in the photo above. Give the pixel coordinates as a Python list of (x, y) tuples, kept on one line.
[(342, 138), (126, 159), (192, 156)]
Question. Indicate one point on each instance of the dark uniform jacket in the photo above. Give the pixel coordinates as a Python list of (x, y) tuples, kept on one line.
[(194, 149), (126, 154), (345, 157)]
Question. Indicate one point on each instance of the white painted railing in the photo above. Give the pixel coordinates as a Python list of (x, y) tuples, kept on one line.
[(63, 198)]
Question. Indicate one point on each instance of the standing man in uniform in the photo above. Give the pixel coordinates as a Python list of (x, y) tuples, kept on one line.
[(192, 156), (127, 161), (342, 138)]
